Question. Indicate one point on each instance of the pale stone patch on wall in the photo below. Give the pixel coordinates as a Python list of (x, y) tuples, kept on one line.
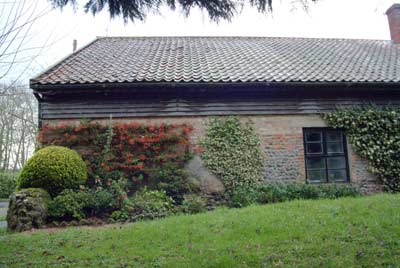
[(200, 176), (281, 138)]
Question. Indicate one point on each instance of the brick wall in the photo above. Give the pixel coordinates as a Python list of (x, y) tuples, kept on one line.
[(282, 144)]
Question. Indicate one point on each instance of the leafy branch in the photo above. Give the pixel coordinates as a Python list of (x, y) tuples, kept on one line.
[(138, 9)]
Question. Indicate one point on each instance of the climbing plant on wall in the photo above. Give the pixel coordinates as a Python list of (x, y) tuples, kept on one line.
[(375, 134), (231, 150), (133, 151)]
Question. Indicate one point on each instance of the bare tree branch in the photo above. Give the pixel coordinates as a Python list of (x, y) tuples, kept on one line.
[(17, 18), (18, 126)]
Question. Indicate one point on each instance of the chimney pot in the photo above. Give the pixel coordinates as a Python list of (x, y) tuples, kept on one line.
[(393, 14), (74, 45)]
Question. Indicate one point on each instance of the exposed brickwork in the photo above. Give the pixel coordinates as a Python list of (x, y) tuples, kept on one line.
[(393, 14), (281, 141), (284, 158), (360, 174)]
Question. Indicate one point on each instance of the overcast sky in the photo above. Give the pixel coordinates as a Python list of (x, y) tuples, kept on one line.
[(327, 18)]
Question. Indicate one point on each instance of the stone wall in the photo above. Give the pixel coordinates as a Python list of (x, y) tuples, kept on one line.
[(281, 140)]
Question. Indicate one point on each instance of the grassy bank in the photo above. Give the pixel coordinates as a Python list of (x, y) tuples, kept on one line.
[(349, 232)]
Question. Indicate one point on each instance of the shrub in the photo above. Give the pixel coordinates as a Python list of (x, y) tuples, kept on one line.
[(272, 193), (303, 191), (278, 192), (151, 204), (121, 215), (81, 204), (243, 196), (173, 180), (337, 190), (375, 134), (145, 204), (232, 152), (69, 205), (54, 169), (118, 188), (193, 203), (7, 184), (101, 202)]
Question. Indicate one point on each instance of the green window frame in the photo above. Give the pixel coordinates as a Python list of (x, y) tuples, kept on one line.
[(325, 154)]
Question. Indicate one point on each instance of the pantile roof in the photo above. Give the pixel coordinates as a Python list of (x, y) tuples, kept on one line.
[(227, 59)]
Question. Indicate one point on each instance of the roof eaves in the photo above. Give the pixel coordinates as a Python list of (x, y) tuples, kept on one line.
[(381, 85)]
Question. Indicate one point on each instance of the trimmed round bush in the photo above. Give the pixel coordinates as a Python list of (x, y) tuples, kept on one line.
[(53, 168)]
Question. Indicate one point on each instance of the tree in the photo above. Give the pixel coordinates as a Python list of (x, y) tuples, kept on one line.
[(16, 50), (138, 9), (18, 126)]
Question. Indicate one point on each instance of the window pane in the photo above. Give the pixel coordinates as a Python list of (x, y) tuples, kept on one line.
[(334, 147), (316, 175), (314, 148), (337, 175), (334, 136), (316, 163), (336, 162), (314, 136), (325, 155)]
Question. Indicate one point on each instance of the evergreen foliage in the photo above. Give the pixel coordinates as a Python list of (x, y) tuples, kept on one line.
[(138, 9), (232, 152), (145, 204), (7, 183), (375, 134), (53, 169), (280, 192)]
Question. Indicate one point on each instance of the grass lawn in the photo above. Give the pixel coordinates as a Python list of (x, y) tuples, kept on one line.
[(350, 232)]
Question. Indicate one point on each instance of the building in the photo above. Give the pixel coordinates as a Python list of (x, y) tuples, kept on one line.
[(281, 84)]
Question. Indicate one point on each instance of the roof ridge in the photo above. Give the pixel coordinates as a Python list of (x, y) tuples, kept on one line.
[(244, 36)]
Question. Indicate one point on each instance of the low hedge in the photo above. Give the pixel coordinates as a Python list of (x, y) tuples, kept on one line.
[(280, 192), (150, 204)]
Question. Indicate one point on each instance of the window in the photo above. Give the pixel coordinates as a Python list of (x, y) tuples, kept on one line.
[(325, 155)]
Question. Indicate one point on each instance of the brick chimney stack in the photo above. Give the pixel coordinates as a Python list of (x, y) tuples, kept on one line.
[(393, 14)]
